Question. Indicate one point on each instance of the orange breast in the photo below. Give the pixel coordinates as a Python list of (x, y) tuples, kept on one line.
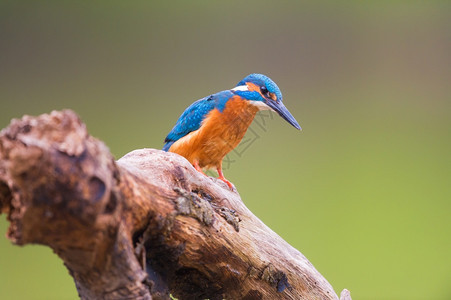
[(219, 134)]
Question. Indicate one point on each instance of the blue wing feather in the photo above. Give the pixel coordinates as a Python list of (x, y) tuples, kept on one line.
[(191, 119)]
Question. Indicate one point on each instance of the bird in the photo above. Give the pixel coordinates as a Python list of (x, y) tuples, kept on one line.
[(213, 126)]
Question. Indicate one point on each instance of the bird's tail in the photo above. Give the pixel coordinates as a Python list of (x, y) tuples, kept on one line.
[(167, 146)]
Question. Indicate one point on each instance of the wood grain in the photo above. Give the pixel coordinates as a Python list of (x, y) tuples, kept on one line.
[(143, 227)]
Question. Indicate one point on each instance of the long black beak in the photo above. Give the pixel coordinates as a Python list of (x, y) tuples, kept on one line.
[(283, 112)]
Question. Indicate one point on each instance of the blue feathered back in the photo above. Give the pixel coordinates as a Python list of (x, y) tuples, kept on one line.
[(192, 117)]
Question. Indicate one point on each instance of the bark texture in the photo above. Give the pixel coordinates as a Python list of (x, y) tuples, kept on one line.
[(141, 227)]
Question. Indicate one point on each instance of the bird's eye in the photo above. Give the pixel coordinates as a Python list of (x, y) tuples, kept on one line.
[(264, 91)]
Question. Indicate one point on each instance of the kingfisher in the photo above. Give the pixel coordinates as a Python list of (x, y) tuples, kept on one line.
[(213, 126)]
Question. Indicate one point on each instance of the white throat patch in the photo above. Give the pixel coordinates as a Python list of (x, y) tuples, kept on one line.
[(261, 105), (241, 88)]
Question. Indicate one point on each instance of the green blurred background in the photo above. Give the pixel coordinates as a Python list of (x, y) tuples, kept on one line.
[(363, 191)]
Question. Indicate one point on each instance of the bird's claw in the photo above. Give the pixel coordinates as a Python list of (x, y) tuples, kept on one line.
[(231, 186)]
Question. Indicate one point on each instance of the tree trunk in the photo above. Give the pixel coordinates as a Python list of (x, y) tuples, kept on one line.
[(143, 227)]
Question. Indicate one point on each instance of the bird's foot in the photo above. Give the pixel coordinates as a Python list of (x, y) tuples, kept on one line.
[(231, 186), (221, 177), (198, 168)]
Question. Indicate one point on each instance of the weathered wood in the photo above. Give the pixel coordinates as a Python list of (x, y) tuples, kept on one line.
[(141, 227)]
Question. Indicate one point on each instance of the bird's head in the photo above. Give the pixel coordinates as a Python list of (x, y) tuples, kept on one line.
[(264, 93)]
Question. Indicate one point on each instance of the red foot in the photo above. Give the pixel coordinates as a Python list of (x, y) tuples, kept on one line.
[(197, 167), (221, 177)]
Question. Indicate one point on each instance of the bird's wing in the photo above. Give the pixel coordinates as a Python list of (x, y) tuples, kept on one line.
[(192, 117)]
